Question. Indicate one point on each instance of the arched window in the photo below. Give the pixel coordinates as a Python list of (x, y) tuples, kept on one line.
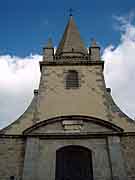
[(72, 79)]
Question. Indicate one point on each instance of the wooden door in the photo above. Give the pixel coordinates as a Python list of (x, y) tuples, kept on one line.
[(74, 163)]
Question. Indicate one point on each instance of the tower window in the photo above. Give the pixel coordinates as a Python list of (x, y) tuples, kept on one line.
[(72, 80)]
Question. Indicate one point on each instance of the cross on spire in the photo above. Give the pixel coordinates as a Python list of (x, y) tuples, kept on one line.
[(71, 12)]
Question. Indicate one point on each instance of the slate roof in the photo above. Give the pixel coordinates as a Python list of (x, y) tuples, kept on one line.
[(71, 40)]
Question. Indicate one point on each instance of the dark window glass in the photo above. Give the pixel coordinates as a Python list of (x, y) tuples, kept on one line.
[(72, 80)]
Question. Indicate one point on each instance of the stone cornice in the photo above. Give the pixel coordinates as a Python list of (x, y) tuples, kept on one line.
[(71, 63), (68, 135)]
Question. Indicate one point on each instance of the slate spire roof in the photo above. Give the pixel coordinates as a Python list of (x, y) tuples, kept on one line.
[(71, 40)]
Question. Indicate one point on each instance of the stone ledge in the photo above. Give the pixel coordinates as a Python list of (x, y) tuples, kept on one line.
[(70, 135), (71, 63)]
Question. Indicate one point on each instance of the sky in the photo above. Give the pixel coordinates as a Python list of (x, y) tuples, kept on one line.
[(25, 27)]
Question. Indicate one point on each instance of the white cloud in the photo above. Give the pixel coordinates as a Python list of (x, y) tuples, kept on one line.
[(18, 78), (120, 68)]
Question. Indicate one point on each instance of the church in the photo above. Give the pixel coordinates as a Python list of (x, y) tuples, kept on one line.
[(72, 130)]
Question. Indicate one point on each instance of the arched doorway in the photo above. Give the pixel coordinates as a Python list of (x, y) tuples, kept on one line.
[(74, 163)]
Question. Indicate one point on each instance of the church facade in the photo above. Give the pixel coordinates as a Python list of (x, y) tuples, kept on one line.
[(72, 130)]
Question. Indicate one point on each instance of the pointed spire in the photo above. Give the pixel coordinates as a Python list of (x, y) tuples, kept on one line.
[(71, 41), (48, 51), (94, 43), (94, 51), (49, 43)]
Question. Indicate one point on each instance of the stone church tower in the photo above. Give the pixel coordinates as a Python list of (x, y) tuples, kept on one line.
[(72, 129)]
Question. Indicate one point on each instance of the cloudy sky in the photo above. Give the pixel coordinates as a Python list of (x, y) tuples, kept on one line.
[(26, 27)]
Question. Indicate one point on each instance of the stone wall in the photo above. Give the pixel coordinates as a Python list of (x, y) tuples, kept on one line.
[(89, 99), (11, 157), (45, 150), (128, 149)]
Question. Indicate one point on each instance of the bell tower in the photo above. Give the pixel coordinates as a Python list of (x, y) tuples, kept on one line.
[(72, 81)]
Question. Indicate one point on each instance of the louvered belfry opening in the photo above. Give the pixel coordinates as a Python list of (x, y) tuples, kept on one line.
[(72, 79)]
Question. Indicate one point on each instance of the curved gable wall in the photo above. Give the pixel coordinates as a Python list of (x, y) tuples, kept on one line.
[(80, 124)]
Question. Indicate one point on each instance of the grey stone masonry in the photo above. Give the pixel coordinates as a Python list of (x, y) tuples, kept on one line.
[(116, 159), (31, 158)]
